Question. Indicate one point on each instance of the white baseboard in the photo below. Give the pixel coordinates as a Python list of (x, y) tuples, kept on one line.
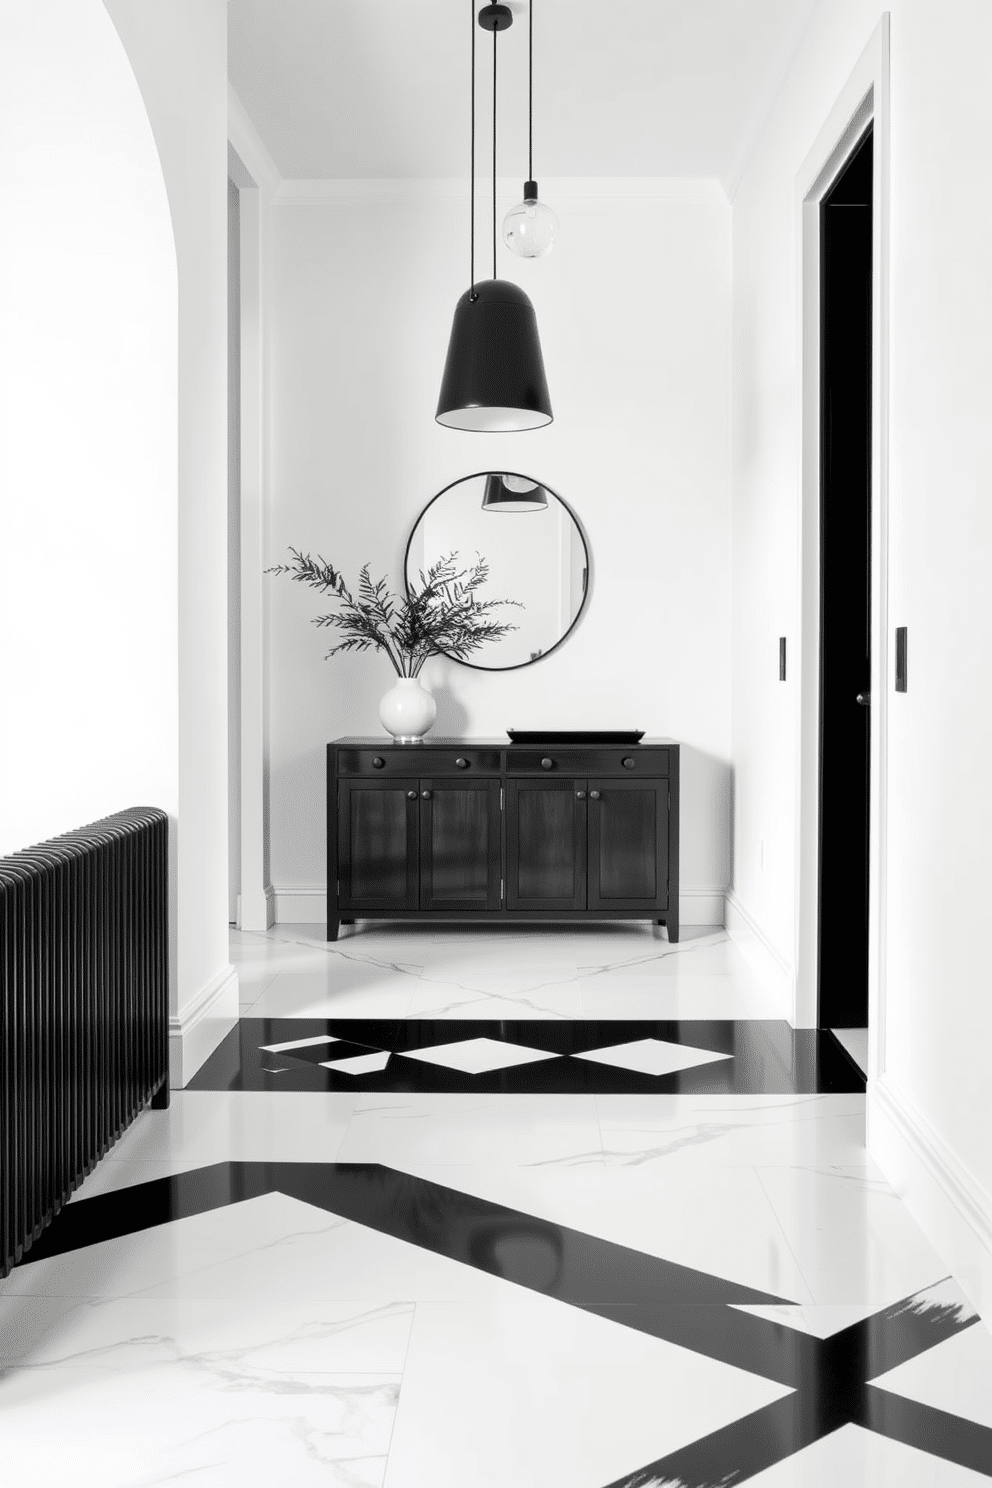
[(947, 1202), (764, 960), (309, 906), (257, 910), (300, 906), (702, 906), (197, 1029)]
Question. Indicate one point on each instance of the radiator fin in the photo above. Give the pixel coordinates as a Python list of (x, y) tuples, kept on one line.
[(84, 1028)]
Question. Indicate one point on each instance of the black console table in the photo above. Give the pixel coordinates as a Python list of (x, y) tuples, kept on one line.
[(480, 829)]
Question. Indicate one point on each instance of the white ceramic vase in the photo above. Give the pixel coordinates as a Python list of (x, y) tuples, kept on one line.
[(407, 711)]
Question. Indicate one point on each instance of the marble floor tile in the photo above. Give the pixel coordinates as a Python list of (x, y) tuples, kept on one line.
[(714, 954), (400, 1129), (652, 1056), (478, 1054), (789, 1131), (955, 1376), (718, 1221), (206, 1126), (514, 992), (651, 996), (155, 1424), (853, 1238), (275, 1336), (530, 1392), (858, 1458), (279, 1249), (350, 989)]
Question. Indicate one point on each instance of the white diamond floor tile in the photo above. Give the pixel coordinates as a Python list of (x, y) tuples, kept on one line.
[(307, 1043), (359, 1064), (478, 1056), (651, 1056)]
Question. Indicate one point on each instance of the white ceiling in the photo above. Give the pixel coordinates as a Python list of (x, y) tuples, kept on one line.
[(379, 88)]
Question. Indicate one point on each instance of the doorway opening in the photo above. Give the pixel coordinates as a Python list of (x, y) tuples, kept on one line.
[(845, 230)]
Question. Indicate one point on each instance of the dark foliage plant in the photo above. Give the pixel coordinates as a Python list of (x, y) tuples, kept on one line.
[(442, 615)]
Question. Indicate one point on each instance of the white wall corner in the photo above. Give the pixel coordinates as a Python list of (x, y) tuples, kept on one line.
[(768, 965), (946, 1200), (197, 1029)]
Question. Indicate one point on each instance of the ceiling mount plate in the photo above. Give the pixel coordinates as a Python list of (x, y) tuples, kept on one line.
[(495, 17)]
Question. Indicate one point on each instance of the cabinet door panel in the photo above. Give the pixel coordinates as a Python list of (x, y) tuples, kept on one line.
[(628, 844), (460, 836), (378, 842), (545, 845)]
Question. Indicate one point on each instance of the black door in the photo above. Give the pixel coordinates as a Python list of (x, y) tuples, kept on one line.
[(845, 590), (546, 844), (628, 845), (459, 845), (378, 844)]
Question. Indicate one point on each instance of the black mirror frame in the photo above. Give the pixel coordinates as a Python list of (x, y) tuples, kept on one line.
[(481, 474)]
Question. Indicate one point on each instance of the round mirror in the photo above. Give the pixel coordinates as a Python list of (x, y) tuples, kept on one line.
[(535, 550)]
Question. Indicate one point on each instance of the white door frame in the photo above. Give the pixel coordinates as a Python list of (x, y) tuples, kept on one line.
[(864, 98), (256, 177)]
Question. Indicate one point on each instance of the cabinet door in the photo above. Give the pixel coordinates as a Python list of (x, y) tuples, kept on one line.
[(459, 844), (378, 844), (628, 844), (545, 844)]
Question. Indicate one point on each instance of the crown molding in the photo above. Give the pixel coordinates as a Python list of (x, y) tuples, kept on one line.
[(413, 190), (249, 147)]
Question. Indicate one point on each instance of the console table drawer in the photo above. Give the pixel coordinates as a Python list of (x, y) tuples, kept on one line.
[(415, 759), (571, 761)]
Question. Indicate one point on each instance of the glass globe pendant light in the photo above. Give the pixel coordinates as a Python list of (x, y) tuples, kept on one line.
[(493, 380), (529, 228)]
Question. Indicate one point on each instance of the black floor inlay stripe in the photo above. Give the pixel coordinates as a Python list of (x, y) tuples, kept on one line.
[(829, 1378), (766, 1057)]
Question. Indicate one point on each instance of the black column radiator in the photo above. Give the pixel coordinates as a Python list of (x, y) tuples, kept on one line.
[(84, 1026)]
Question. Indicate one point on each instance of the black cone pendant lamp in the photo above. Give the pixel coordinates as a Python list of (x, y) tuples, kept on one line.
[(493, 378), (512, 493)]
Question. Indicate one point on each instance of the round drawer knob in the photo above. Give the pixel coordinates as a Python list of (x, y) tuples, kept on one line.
[(594, 795), (411, 795), (629, 764), (378, 763), (426, 795), (580, 795), (462, 764), (547, 764)]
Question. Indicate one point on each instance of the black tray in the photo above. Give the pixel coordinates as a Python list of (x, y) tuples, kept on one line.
[(575, 736)]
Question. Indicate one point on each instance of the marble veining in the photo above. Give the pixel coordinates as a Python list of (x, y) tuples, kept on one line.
[(825, 1382), (458, 1206)]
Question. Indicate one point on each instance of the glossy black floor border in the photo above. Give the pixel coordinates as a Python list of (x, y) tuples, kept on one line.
[(829, 1378), (768, 1057)]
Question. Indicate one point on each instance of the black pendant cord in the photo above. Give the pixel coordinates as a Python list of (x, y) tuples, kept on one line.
[(471, 233), (495, 34), (530, 91)]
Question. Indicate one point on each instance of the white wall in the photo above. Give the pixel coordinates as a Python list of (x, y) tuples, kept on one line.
[(930, 1106), (88, 662), (634, 313), (179, 54)]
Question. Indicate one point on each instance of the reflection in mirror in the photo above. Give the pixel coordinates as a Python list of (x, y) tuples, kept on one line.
[(541, 560)]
